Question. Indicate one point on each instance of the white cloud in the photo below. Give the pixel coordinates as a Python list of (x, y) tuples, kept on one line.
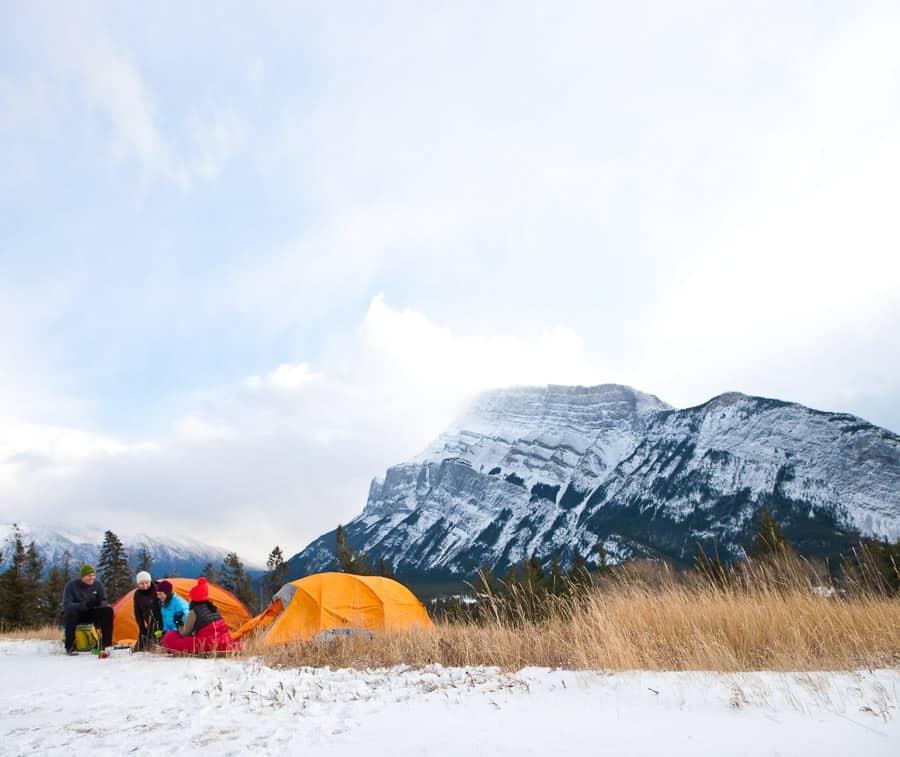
[(803, 273), (283, 457), (191, 429)]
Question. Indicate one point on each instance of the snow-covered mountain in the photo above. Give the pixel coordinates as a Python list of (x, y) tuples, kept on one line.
[(557, 468), (171, 555)]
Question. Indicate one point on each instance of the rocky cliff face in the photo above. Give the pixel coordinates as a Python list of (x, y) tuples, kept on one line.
[(559, 469)]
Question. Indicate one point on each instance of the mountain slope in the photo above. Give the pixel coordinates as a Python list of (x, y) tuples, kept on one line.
[(171, 555), (555, 469)]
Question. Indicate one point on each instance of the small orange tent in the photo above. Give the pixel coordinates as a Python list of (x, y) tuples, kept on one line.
[(233, 611), (325, 601)]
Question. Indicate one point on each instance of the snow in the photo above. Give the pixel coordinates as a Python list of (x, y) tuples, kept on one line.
[(153, 704)]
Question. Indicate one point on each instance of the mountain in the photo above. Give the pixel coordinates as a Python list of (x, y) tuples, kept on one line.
[(557, 468), (187, 557)]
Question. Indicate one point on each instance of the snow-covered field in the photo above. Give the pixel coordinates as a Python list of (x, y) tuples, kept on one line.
[(158, 705)]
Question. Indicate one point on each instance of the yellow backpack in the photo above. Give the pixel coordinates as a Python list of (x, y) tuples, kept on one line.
[(86, 637)]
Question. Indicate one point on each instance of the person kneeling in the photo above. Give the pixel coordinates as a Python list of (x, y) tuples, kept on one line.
[(84, 601), (172, 607), (203, 630)]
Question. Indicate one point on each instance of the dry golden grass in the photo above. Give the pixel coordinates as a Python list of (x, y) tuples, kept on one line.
[(44, 633), (757, 622)]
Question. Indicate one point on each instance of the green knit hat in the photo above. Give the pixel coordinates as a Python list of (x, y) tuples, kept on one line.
[(86, 570)]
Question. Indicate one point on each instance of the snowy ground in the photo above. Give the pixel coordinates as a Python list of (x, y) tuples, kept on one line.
[(159, 705)]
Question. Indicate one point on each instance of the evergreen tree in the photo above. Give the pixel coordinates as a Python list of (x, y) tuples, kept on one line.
[(579, 579), (115, 572), (276, 572), (556, 583), (711, 569), (532, 575), (348, 561), (603, 567), (235, 579), (51, 596), (33, 584), (875, 566), (510, 579), (384, 569), (485, 583), (769, 538), (144, 559), (211, 574), (13, 599)]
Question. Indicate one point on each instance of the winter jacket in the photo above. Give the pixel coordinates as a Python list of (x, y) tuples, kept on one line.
[(201, 615), (168, 609), (203, 631), (146, 610), (79, 597)]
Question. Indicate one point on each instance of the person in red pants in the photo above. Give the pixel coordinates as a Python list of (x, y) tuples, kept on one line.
[(203, 629)]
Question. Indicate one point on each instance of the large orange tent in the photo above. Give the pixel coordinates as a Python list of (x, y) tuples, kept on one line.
[(327, 601), (233, 611)]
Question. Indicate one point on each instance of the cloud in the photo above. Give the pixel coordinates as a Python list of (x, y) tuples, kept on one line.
[(282, 457), (795, 285)]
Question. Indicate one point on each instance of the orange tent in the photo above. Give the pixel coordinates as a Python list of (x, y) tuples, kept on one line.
[(325, 601), (233, 611)]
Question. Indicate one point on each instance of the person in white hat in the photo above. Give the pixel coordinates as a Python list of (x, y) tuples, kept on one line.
[(147, 614)]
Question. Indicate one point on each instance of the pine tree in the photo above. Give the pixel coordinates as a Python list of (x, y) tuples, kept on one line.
[(532, 575), (384, 569), (556, 582), (144, 559), (57, 578), (276, 572), (33, 584), (711, 569), (115, 572), (579, 579), (210, 573), (13, 600), (346, 560), (234, 578), (769, 538), (485, 583), (602, 559)]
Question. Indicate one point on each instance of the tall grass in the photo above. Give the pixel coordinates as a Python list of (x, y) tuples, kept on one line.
[(779, 615), (42, 633)]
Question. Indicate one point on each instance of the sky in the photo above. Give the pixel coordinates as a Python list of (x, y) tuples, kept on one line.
[(249, 259)]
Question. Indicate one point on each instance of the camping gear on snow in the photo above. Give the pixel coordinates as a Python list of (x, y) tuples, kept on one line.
[(233, 611), (86, 637), (325, 601)]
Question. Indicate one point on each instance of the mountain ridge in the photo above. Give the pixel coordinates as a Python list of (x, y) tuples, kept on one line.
[(537, 470), (184, 555)]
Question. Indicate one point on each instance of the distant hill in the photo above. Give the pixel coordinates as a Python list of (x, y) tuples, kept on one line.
[(171, 555), (542, 470)]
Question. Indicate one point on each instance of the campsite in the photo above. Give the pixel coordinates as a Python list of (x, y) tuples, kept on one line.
[(515, 378)]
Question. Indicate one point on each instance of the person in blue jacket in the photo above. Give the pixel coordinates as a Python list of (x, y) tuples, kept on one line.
[(174, 608)]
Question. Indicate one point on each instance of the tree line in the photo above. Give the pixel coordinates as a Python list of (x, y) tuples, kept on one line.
[(31, 593)]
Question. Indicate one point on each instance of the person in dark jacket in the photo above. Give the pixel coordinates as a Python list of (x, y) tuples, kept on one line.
[(147, 614), (204, 630), (84, 601)]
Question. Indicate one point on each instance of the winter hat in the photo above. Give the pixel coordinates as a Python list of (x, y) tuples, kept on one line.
[(164, 586), (86, 570), (200, 592), (142, 576)]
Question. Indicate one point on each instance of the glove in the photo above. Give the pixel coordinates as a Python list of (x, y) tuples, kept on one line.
[(93, 602), (157, 634), (178, 618)]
